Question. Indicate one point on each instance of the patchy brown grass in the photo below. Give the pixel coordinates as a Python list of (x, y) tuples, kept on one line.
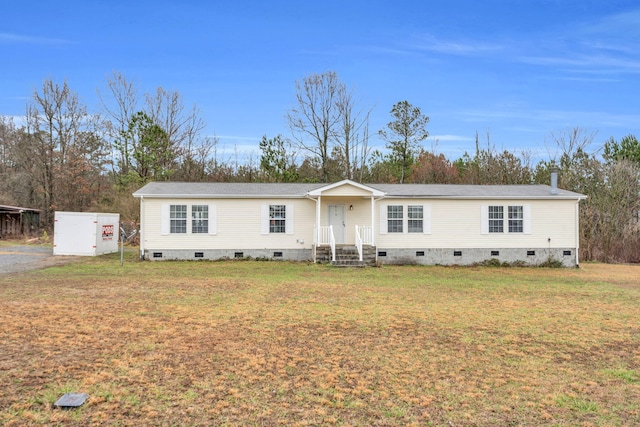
[(265, 344)]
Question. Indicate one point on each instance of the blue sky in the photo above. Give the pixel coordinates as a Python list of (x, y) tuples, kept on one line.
[(517, 69)]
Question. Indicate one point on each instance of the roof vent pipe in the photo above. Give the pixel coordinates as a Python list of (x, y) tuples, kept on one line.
[(554, 181)]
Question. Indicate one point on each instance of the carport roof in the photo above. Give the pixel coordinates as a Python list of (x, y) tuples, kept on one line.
[(16, 209)]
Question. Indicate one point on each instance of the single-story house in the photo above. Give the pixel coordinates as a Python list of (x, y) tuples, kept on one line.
[(352, 223), (17, 222)]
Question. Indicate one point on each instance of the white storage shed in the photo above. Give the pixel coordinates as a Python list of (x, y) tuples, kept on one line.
[(85, 233)]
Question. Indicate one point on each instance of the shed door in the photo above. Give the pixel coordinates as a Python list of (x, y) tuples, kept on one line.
[(337, 219)]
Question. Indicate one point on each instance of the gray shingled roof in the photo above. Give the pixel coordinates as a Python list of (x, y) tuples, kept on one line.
[(471, 191), (224, 189), (258, 190)]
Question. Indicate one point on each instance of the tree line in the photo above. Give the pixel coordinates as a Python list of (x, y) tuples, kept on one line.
[(63, 156)]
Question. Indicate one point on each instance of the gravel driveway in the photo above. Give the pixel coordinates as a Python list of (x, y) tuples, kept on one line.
[(14, 259)]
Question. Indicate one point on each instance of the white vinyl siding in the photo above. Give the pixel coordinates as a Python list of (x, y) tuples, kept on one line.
[(456, 224), (236, 224)]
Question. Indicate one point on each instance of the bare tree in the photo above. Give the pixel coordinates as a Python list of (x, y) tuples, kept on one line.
[(13, 165), (7, 143), (182, 126), (66, 147), (567, 143), (314, 121), (352, 133), (119, 106), (165, 109)]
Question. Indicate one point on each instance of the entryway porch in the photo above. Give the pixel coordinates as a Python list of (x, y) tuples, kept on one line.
[(340, 234), (360, 254)]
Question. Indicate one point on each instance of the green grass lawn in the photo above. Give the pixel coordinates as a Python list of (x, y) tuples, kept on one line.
[(277, 343)]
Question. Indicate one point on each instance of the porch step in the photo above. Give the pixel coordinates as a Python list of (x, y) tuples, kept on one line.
[(347, 256)]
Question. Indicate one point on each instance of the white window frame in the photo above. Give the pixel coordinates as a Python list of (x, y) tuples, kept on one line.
[(496, 219), (200, 219), (412, 218), (277, 219), (395, 219), (516, 218), (266, 219), (178, 219), (485, 219), (165, 220), (384, 220)]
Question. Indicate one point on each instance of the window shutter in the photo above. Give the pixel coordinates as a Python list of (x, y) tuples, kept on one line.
[(265, 219), (383, 219), (484, 219), (165, 219), (426, 221), (526, 213), (289, 219), (213, 219)]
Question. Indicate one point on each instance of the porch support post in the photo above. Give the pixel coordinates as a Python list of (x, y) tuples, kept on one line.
[(373, 222), (143, 224), (318, 234)]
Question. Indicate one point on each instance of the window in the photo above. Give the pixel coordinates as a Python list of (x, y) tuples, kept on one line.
[(178, 218), (277, 219), (496, 216), (199, 219), (416, 216), (394, 219), (516, 219)]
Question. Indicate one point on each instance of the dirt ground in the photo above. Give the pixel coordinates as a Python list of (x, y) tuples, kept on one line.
[(19, 258), (276, 343)]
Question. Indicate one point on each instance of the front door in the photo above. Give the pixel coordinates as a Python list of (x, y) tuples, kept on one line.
[(337, 219)]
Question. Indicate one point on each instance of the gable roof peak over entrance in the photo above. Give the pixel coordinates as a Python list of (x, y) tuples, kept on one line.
[(346, 183)]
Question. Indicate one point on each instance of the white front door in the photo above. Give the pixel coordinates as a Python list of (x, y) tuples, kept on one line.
[(337, 219)]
